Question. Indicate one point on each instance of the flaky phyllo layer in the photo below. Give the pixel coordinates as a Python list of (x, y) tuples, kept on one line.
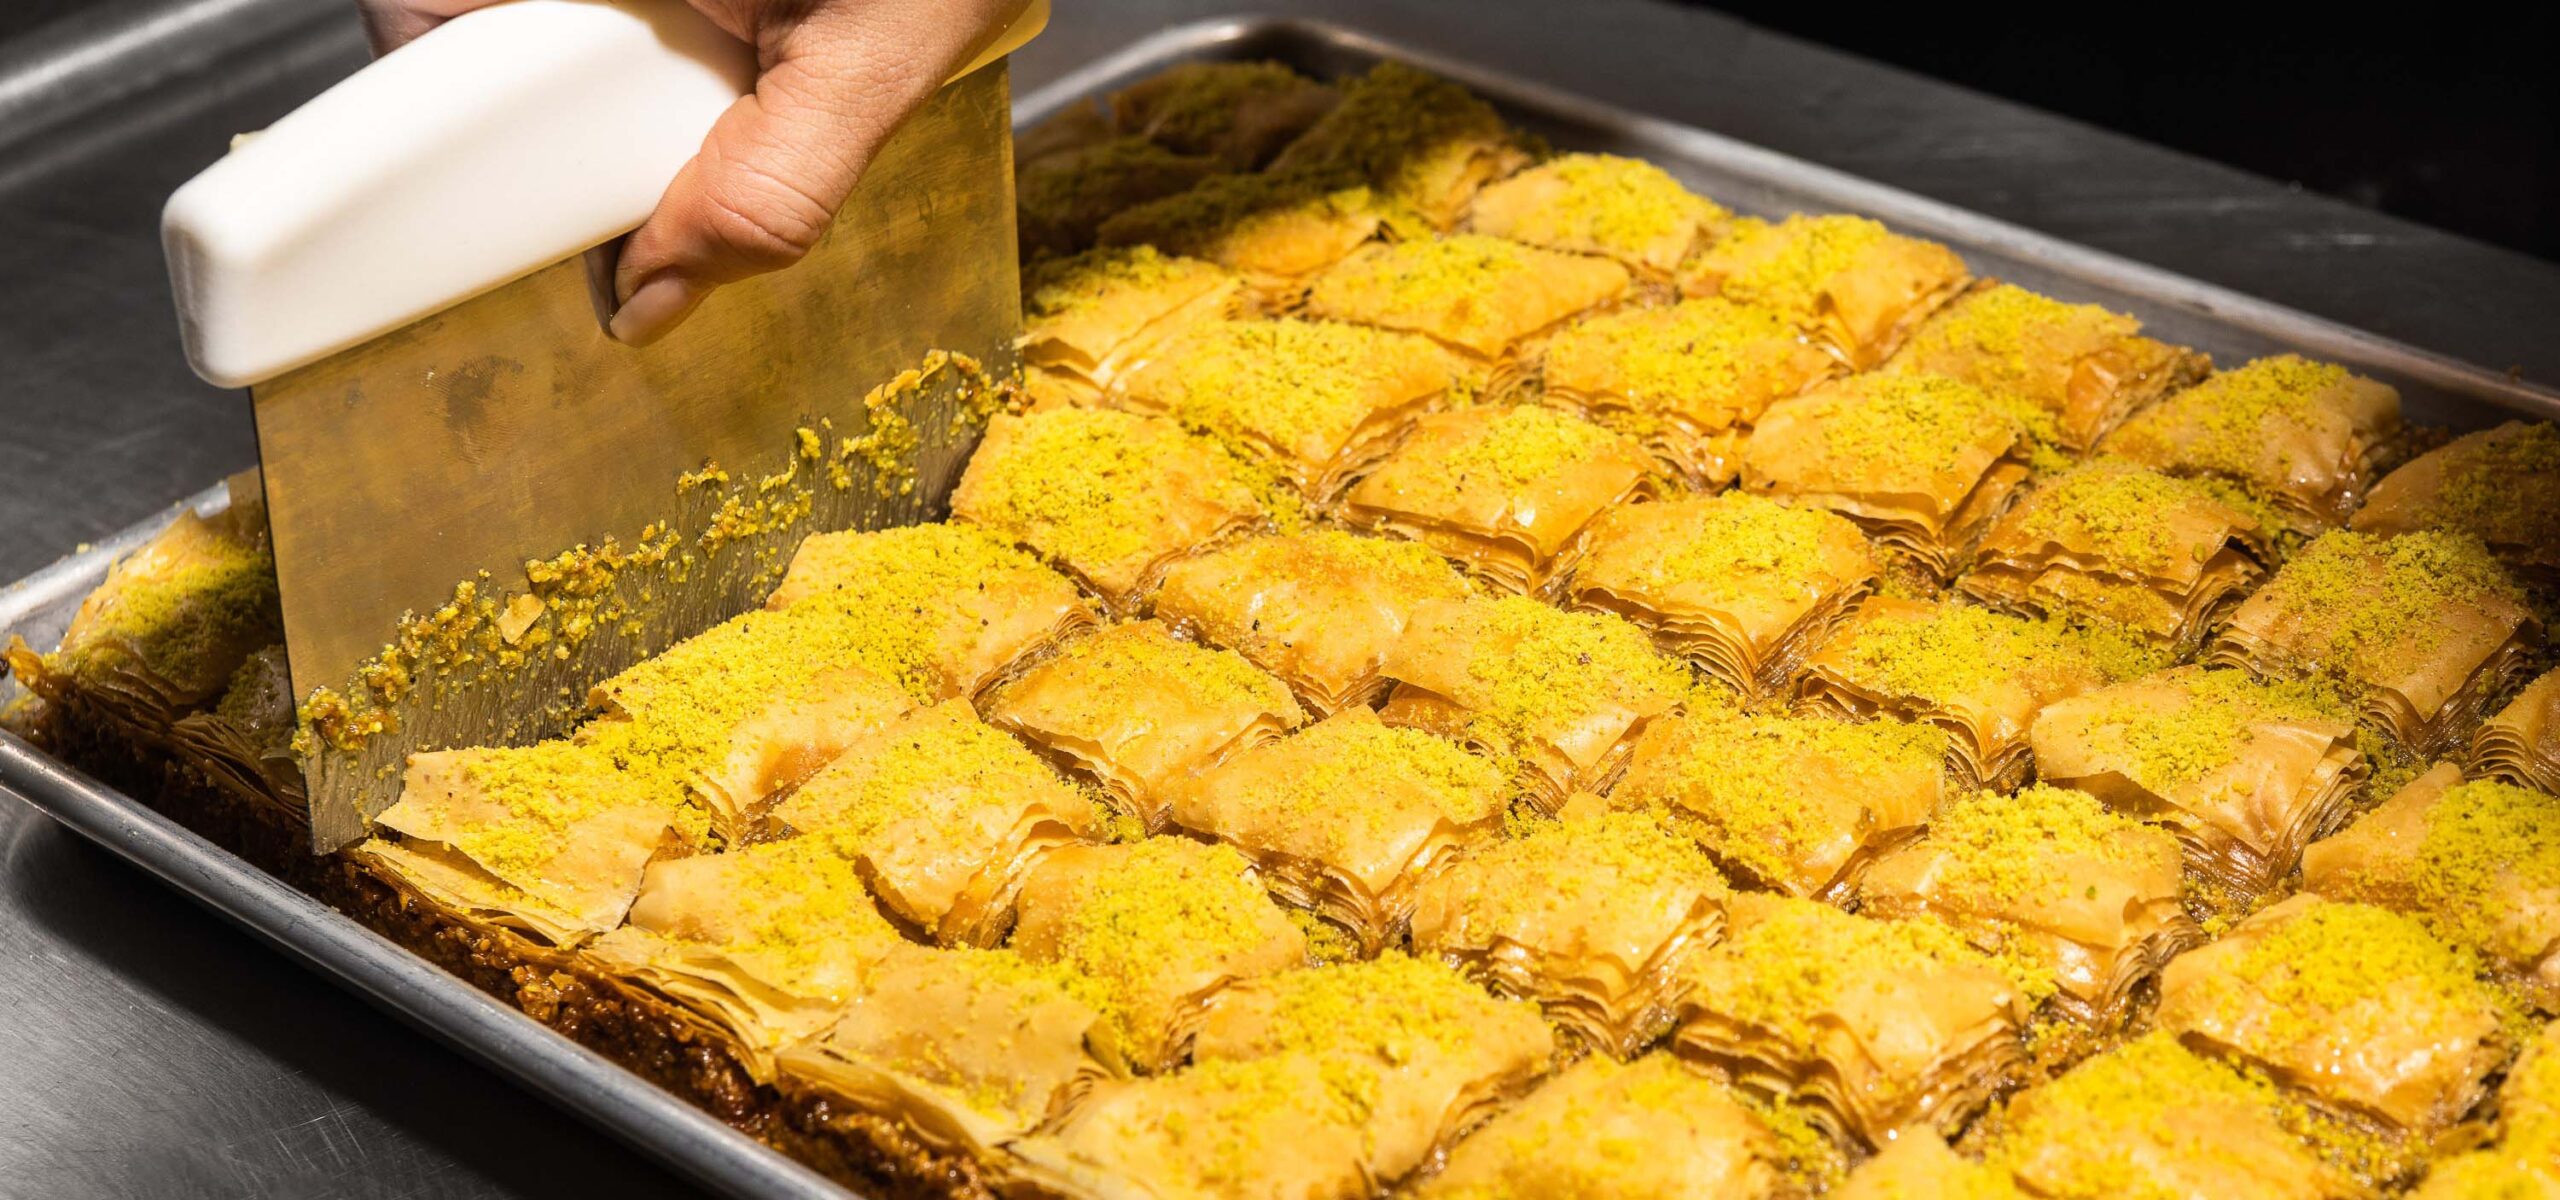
[(1478, 673)]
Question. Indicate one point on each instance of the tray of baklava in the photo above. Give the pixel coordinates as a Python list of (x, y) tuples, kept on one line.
[(1502, 648)]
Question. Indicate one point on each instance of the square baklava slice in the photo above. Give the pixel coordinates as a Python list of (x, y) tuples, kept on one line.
[(1093, 317), (1688, 380), (2353, 1004), (1799, 805), (1423, 142), (1159, 927), (1503, 492), (1652, 1129), (1920, 1164), (2499, 485), (2423, 631), (1853, 287), (1061, 199), (1980, 675), (1139, 710), (1924, 464), (1110, 497), (1593, 917), (1491, 299), (2245, 773), (1317, 608), (942, 609), (2085, 368), (1739, 585), (1873, 1027), (1240, 113), (1348, 817), (2154, 1119), (1321, 402), (1556, 698), (2051, 879), (2478, 863), (945, 816), (1620, 208), (2522, 743), (1276, 231), (2113, 542), (2301, 437)]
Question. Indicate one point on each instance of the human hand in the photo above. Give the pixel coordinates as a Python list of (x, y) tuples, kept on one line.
[(834, 79)]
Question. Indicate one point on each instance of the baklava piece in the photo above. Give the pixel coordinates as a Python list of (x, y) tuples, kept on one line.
[(2085, 368), (1849, 284), (2301, 437), (1139, 709), (2522, 743), (1423, 142), (943, 609), (1348, 817), (2151, 1120), (2353, 1004), (764, 943), (1060, 200), (244, 744), (2499, 485), (1688, 380), (2049, 878), (1592, 917), (1240, 113), (1161, 927), (2112, 542), (1276, 231), (1274, 1127), (945, 815), (1487, 298), (2423, 630), (1110, 497), (1923, 464), (1557, 698), (1321, 401), (1429, 1052), (1090, 319), (1318, 608), (2499, 1174), (2478, 863), (1620, 208), (1874, 1027), (1920, 1166), (1653, 1129), (970, 1049), (1799, 805), (1980, 675), (2244, 773), (1739, 585), (1503, 492)]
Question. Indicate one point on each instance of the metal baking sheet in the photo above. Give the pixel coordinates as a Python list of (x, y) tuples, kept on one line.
[(2231, 326)]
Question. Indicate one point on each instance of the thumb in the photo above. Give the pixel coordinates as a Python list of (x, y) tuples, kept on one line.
[(777, 165)]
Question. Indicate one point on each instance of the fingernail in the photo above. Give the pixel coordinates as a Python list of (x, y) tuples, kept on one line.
[(655, 307)]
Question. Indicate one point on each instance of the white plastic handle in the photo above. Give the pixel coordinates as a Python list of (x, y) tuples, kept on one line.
[(500, 142)]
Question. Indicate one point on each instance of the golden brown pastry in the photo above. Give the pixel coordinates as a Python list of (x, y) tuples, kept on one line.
[(1741, 586), (1271, 1128), (1277, 231), (1853, 287), (1139, 710), (2522, 743), (2422, 630), (1488, 298), (1240, 113), (1503, 492), (2499, 485), (1423, 142), (2301, 437), (943, 609), (1318, 608), (1920, 1166), (1621, 208), (2112, 542), (1688, 380), (1652, 1129), (1089, 319), (2084, 368)]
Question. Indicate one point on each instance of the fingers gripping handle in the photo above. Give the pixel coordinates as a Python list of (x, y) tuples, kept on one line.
[(498, 143)]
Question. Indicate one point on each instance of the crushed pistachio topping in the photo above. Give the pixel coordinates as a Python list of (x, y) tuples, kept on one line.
[(1164, 907), (216, 592), (2228, 415), (1097, 180), (1992, 335), (1060, 286), (1338, 763), (2030, 846), (1676, 357), (934, 760), (548, 787), (1876, 422), (1129, 667), (1391, 1009), (796, 903), (1433, 282), (2359, 604), (1624, 204), (2339, 962), (1806, 1151), (1226, 209), (1737, 545), (1814, 252), (1559, 667), (2161, 749), (1521, 448), (1790, 966), (2529, 1100), (1202, 101), (2501, 486), (885, 600), (1289, 383), (1736, 781), (2484, 842), (1567, 866), (1396, 127), (2112, 1114), (1076, 483), (2118, 511), (1953, 650)]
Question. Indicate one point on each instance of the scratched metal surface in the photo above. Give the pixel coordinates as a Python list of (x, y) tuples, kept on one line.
[(146, 1049)]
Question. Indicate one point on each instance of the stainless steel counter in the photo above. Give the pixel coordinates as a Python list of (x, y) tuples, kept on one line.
[(148, 1050)]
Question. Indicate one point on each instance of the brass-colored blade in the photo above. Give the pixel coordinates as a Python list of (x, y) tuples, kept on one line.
[(509, 429)]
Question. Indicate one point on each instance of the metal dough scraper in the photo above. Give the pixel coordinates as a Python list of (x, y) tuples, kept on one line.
[(480, 504)]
